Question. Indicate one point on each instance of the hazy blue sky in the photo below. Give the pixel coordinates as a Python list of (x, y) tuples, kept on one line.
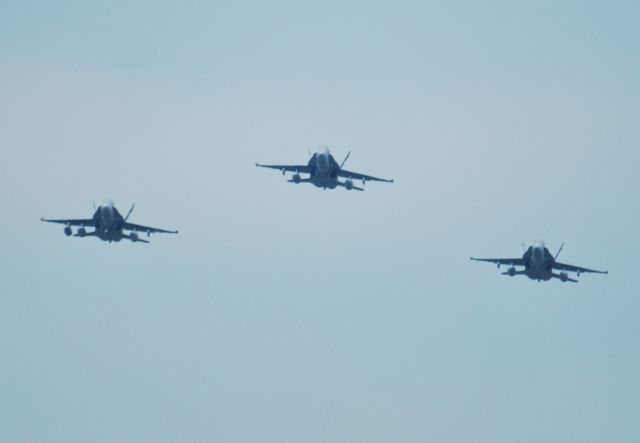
[(284, 313)]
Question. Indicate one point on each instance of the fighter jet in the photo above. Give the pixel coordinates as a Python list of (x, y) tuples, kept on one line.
[(109, 225), (539, 265), (325, 172)]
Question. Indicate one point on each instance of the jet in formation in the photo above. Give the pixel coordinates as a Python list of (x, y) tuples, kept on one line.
[(539, 265), (325, 172), (109, 225)]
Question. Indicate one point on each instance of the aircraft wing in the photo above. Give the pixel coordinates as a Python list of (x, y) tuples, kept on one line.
[(86, 222), (577, 269), (502, 261), (140, 228), (290, 168), (355, 176)]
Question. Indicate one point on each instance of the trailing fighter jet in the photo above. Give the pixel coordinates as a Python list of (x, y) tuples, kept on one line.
[(539, 264), (108, 225), (324, 172)]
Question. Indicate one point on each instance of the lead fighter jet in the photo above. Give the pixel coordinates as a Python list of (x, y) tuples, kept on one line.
[(539, 264), (325, 172), (109, 225)]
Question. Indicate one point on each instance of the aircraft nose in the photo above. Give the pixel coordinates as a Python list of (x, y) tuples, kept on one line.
[(323, 162), (538, 254)]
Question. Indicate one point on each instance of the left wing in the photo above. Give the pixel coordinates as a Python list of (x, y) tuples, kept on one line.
[(86, 222), (502, 261), (577, 269), (147, 229), (355, 176), (290, 168)]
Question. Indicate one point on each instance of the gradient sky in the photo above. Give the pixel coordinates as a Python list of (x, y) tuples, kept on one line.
[(285, 313)]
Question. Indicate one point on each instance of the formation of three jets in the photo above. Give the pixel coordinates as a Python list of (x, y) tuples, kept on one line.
[(323, 172)]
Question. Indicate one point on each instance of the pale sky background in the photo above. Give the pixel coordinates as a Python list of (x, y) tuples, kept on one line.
[(285, 313)]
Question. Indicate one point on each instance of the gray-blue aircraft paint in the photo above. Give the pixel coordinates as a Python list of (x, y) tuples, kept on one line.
[(539, 265), (325, 172), (109, 225)]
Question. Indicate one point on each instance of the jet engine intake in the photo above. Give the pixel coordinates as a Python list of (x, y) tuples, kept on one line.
[(296, 178), (511, 271), (134, 237), (564, 276), (348, 184), (81, 232), (67, 231)]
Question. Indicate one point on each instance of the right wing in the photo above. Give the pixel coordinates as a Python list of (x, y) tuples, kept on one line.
[(289, 168), (86, 222), (356, 176), (147, 229), (563, 267), (502, 261)]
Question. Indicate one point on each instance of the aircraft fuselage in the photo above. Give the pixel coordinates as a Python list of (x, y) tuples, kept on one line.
[(538, 262), (323, 170), (108, 223)]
